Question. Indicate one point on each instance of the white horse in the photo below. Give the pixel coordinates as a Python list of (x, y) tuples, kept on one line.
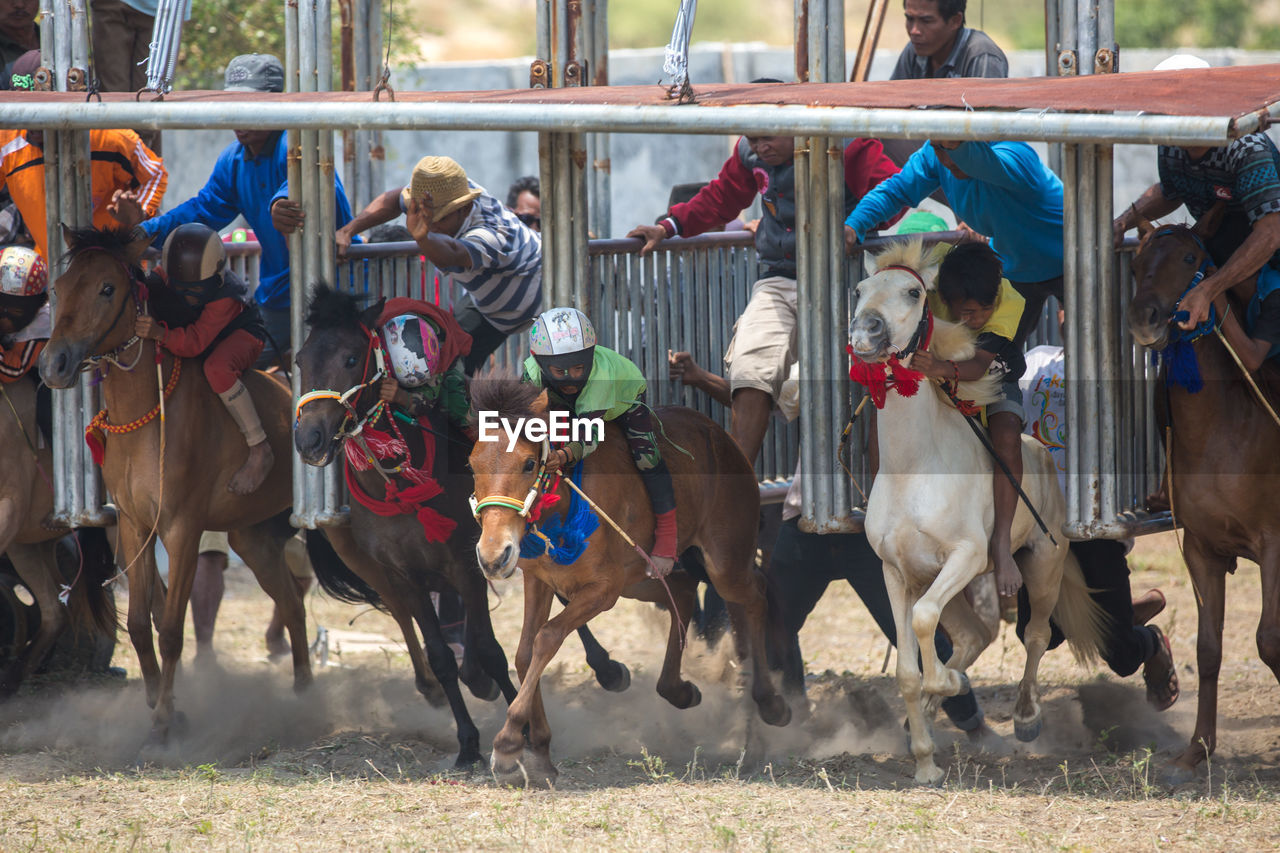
[(930, 512)]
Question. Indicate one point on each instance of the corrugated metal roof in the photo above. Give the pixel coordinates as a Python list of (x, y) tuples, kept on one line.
[(1228, 92)]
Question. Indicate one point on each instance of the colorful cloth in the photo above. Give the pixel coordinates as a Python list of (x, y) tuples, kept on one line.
[(1044, 398)]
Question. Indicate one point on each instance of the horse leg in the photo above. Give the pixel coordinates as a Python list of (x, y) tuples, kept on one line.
[(684, 595), (1042, 573), (182, 544), (962, 565), (445, 666), (508, 744), (147, 597), (480, 640), (749, 591), (612, 675), (1209, 580), (910, 682), (261, 546), (37, 566)]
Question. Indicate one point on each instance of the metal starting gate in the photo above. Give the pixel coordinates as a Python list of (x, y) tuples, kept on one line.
[(689, 293)]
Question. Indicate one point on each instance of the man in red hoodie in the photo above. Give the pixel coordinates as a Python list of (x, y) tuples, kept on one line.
[(764, 340)]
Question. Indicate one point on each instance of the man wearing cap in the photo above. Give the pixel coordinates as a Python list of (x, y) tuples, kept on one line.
[(119, 162), (250, 179), (473, 237), (1246, 246)]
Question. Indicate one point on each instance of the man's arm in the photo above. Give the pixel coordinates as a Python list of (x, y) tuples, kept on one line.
[(148, 169), (1012, 167), (216, 205), (719, 202), (447, 253), (1256, 250), (1152, 204), (383, 208), (917, 179)]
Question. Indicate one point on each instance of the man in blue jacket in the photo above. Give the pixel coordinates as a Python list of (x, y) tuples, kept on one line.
[(1000, 189), (250, 178)]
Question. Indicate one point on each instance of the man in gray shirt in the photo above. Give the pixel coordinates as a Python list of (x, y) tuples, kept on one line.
[(942, 46)]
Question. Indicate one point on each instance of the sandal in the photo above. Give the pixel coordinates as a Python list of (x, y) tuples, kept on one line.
[(1160, 674)]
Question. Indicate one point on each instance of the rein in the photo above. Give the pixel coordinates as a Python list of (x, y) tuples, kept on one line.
[(350, 398)]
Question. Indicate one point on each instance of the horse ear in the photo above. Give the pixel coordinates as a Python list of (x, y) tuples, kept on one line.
[(68, 235), (369, 317), (541, 403), (1206, 226), (1145, 228)]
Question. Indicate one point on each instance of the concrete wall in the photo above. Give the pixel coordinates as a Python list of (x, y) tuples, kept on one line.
[(644, 166)]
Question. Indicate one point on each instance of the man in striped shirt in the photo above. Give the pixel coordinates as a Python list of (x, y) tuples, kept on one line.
[(467, 233)]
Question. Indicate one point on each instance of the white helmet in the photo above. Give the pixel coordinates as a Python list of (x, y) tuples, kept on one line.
[(22, 272), (564, 338), (413, 348)]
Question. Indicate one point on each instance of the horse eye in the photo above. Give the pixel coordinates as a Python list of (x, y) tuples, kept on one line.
[(351, 361), (107, 289), (914, 293), (529, 466)]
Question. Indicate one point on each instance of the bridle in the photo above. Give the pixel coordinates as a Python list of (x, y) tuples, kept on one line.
[(141, 294), (353, 422), (1175, 315), (921, 334), (522, 508)]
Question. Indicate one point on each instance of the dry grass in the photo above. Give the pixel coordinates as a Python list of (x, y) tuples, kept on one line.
[(361, 761)]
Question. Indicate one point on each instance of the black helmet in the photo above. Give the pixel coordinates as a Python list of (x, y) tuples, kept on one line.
[(193, 260)]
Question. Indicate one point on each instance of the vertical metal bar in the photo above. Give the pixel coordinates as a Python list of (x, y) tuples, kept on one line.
[(810, 375), (1090, 505), (1074, 292), (1110, 369)]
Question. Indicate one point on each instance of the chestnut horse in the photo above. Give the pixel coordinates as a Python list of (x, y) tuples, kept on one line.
[(168, 474), (392, 565), (718, 505), (1223, 461), (26, 499)]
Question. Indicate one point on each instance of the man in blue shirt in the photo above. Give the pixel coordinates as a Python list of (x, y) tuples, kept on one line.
[(250, 178), (1000, 189)]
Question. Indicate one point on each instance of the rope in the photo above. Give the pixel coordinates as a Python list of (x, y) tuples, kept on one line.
[(1248, 378), (675, 60), (166, 39)]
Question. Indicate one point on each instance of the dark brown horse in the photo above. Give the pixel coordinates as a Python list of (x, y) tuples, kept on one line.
[(177, 493), (718, 509), (1224, 463), (394, 565)]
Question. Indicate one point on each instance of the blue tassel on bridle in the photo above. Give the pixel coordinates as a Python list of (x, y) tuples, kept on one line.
[(563, 538), (1182, 367)]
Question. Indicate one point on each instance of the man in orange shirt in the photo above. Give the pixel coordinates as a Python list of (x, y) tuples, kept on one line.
[(118, 161)]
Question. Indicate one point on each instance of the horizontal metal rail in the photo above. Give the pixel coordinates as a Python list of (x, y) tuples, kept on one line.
[(618, 118)]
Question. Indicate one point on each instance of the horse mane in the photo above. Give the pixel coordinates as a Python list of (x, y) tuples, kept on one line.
[(332, 309), (505, 394), (114, 241), (913, 254)]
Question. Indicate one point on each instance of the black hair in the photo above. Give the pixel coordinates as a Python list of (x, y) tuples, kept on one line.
[(527, 184), (970, 271), (766, 80), (390, 232), (948, 9)]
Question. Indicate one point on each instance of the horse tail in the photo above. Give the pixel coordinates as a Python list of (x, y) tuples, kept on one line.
[(1082, 621), (91, 605), (334, 576)]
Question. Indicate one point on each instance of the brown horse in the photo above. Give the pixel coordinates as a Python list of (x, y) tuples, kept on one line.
[(718, 511), (1223, 463), (26, 499), (168, 476)]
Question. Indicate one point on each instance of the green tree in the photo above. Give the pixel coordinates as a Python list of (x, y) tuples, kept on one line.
[(1170, 23)]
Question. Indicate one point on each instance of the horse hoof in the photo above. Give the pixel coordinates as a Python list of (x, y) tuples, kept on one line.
[(485, 689), (433, 693), (775, 711), (615, 678), (931, 776), (468, 762), (1027, 732), (1178, 774)]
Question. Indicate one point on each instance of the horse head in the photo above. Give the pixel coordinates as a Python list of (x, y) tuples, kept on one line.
[(1169, 261), (97, 301), (889, 305), (338, 371), (507, 482)]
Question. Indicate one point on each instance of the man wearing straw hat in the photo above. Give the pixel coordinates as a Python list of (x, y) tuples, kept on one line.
[(472, 236)]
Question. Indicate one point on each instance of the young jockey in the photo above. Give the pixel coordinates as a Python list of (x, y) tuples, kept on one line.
[(425, 348), (972, 291), (24, 311), (594, 381), (228, 327)]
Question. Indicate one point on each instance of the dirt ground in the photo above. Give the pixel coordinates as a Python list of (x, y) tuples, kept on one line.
[(362, 761)]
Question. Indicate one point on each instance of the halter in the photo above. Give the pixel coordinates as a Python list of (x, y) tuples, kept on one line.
[(879, 377), (141, 294), (924, 327), (350, 398), (522, 507), (1178, 334)]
